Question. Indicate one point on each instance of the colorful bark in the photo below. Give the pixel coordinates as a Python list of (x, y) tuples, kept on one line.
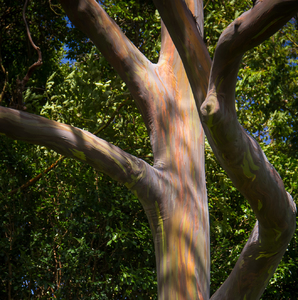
[(173, 191), (72, 142), (238, 153)]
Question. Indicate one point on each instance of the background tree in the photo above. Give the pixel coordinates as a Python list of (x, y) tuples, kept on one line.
[(52, 108)]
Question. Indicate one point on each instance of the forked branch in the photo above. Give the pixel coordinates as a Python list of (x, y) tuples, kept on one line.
[(238, 153), (241, 156), (132, 66), (17, 99), (5, 84)]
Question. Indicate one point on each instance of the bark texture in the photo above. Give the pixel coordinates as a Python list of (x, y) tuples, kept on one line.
[(238, 153), (173, 191)]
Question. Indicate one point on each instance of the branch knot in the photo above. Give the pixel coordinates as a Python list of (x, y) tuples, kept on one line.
[(211, 109)]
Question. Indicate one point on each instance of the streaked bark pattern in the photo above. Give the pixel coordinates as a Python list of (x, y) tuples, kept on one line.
[(173, 191), (239, 154)]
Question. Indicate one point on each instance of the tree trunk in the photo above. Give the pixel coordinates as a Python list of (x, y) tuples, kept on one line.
[(238, 153), (173, 191)]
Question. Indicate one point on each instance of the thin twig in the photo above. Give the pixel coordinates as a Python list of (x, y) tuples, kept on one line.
[(52, 9), (39, 61), (36, 178), (206, 4), (6, 77), (17, 99), (291, 40), (111, 118)]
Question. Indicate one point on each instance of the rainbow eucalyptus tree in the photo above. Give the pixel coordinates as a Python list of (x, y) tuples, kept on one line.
[(181, 98)]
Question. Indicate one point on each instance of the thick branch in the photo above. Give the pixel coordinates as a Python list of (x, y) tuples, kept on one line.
[(241, 156), (132, 66), (72, 142), (90, 18), (183, 28), (238, 153), (196, 12), (167, 48), (36, 178), (246, 32)]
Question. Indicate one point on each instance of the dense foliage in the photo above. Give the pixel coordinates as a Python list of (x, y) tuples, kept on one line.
[(74, 233)]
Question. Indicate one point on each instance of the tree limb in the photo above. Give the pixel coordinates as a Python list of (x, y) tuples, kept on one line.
[(17, 99), (73, 142), (38, 63), (132, 66), (47, 170), (243, 34), (195, 11), (36, 178), (5, 76), (89, 17), (147, 82), (182, 26), (238, 153), (243, 159), (234, 147)]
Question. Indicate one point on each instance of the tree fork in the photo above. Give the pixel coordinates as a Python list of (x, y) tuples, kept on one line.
[(173, 191), (165, 100), (238, 153)]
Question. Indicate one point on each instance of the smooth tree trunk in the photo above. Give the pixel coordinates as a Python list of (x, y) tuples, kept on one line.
[(174, 106), (238, 153)]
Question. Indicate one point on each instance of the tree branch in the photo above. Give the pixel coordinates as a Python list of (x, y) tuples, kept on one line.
[(5, 84), (17, 99), (235, 149), (47, 170), (241, 156), (36, 178), (195, 10), (246, 32), (73, 142), (167, 48), (89, 17), (182, 26), (238, 153), (109, 121), (38, 63), (132, 66)]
